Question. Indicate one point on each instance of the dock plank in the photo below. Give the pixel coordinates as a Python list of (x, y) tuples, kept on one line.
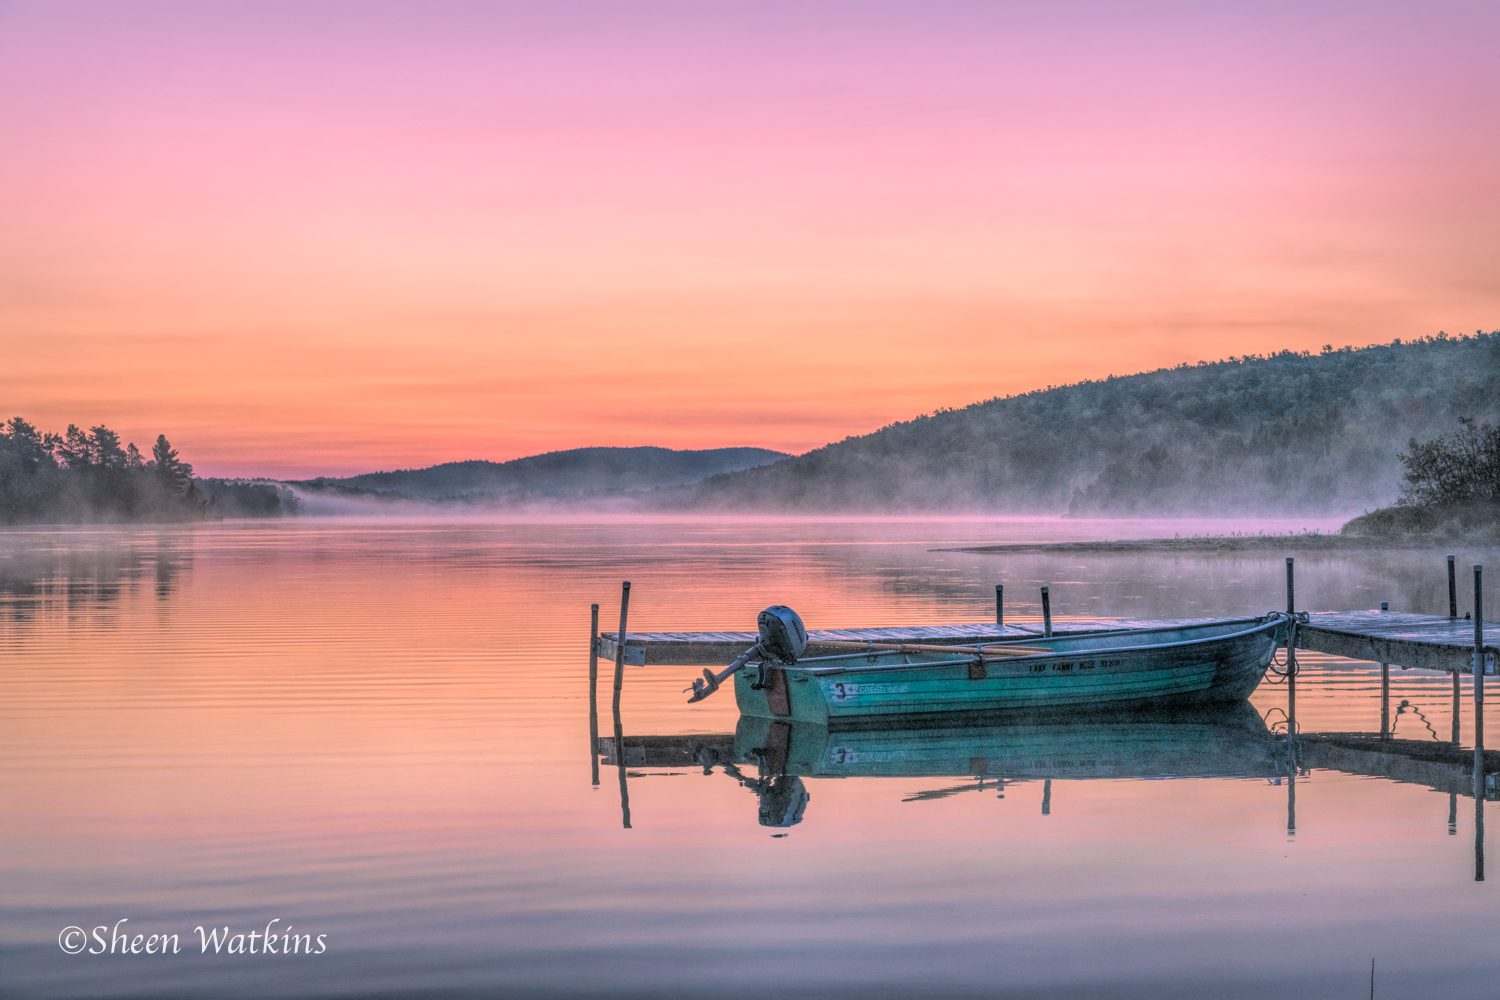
[(1427, 642), (719, 648)]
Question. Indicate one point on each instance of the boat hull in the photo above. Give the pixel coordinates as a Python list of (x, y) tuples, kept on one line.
[(1202, 665)]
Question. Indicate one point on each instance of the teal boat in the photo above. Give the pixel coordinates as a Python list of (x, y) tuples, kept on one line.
[(1165, 667)]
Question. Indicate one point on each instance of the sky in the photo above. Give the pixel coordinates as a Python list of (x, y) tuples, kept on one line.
[(318, 238)]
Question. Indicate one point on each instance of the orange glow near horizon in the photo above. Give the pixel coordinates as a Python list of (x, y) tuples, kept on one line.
[(325, 243)]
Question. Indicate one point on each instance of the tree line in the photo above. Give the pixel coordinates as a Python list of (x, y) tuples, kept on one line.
[(1451, 488), (80, 477), (86, 476), (1288, 432)]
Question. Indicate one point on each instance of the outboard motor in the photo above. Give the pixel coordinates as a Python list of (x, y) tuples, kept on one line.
[(782, 634), (783, 638)]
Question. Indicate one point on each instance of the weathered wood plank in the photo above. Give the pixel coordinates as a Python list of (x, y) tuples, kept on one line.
[(1428, 642), (719, 648)]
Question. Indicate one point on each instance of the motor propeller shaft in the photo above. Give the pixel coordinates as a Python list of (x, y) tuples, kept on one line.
[(711, 682)]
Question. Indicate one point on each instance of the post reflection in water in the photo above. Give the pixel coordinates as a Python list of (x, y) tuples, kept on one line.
[(1385, 701), (1291, 803), (1292, 764), (620, 761), (1478, 825)]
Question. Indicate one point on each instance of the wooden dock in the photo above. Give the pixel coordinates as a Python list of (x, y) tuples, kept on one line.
[(1425, 642)]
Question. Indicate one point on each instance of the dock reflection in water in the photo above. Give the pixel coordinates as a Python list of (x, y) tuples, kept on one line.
[(1231, 741), (772, 758)]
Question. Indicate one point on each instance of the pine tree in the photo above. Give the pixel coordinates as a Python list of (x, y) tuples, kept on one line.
[(177, 475)]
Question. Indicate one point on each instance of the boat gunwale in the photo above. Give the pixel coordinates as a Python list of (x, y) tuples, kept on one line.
[(1276, 620), (1027, 640)]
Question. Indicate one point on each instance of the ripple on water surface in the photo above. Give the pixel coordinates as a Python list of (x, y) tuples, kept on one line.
[(377, 731)]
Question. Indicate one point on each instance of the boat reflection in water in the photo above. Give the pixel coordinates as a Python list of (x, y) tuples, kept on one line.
[(1231, 741)]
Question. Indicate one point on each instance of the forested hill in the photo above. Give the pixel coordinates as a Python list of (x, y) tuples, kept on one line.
[(1293, 432), (560, 473)]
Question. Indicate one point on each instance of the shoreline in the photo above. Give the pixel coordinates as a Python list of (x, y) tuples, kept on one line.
[(1310, 542)]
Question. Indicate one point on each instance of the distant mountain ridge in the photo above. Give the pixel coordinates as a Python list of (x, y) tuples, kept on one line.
[(577, 472), (1291, 432)]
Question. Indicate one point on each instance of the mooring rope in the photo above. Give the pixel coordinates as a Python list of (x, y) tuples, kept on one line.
[(1289, 661)]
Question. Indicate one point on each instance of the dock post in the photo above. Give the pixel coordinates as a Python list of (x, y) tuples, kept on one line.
[(1478, 723), (594, 691), (1291, 656), (1291, 605), (1385, 701), (1046, 614), (1000, 605), (1385, 690), (1453, 613), (1452, 589), (619, 681), (1047, 797), (1479, 679), (620, 645)]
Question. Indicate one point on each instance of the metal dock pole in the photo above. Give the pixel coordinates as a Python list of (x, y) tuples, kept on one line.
[(1453, 613), (1452, 589), (619, 681), (1291, 657), (1385, 690), (594, 691), (620, 645), (1291, 708), (1478, 673), (1000, 605), (1478, 723), (1046, 614)]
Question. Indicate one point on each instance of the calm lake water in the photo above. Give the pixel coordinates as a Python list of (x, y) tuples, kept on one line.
[(375, 733)]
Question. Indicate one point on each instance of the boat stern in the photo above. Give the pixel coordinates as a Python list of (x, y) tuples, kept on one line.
[(780, 693)]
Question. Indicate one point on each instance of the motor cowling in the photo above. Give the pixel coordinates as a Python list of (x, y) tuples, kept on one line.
[(782, 633)]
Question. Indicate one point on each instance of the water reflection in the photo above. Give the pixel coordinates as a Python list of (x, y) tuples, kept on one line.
[(374, 730), (77, 572), (1479, 793), (1232, 741)]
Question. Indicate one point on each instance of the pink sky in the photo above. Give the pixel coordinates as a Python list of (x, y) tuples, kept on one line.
[(304, 240)]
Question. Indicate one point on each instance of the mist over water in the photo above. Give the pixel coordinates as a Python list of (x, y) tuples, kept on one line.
[(376, 730)]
